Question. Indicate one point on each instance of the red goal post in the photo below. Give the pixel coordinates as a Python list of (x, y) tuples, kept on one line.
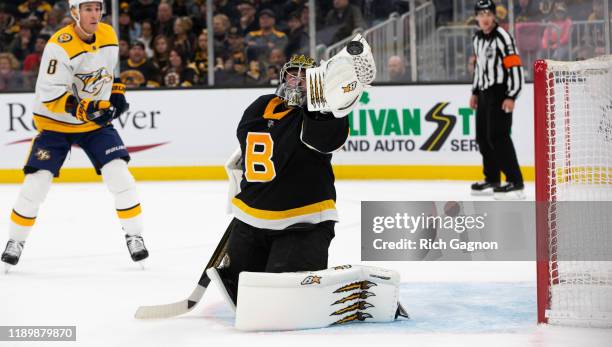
[(573, 159)]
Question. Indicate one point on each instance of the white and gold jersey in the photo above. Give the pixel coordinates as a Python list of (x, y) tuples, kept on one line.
[(66, 61)]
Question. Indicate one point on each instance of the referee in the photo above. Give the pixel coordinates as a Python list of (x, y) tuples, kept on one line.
[(498, 78)]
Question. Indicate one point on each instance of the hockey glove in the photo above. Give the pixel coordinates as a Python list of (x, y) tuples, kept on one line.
[(117, 98), (88, 110)]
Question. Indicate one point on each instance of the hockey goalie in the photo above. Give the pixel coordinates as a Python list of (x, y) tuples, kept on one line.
[(283, 198), (271, 263)]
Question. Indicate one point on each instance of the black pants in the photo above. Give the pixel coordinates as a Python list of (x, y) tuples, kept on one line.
[(493, 127), (297, 248)]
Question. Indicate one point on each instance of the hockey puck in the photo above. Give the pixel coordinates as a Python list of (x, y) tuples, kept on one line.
[(354, 48)]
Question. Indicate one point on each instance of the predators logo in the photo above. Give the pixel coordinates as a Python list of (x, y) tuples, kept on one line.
[(360, 305), (361, 295), (363, 285), (357, 316), (42, 154), (94, 81)]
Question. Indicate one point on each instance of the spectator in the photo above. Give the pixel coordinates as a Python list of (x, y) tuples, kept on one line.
[(254, 76), (228, 8), (555, 40), (247, 21), (231, 75), (546, 7), (185, 8), (221, 25), (183, 37), (146, 37), (277, 58), (260, 42), (128, 29), (124, 51), (22, 44), (138, 71), (161, 51), (165, 20), (67, 20), (8, 27), (177, 74), (346, 18), (297, 37), (526, 11), (39, 9), (141, 10), (397, 70), (235, 49), (598, 11), (32, 61), (10, 78), (272, 76), (53, 22)]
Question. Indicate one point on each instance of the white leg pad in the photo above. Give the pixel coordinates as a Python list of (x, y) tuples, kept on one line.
[(304, 300), (32, 194), (122, 185)]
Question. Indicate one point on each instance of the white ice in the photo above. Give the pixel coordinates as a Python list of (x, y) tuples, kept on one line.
[(75, 270)]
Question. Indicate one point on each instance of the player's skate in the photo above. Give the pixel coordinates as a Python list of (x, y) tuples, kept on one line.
[(136, 246), (510, 191), (11, 253), (483, 188)]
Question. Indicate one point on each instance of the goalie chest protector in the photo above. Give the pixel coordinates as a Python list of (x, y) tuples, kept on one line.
[(286, 160)]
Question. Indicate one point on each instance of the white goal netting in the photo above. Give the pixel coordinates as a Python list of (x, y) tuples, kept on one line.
[(579, 141)]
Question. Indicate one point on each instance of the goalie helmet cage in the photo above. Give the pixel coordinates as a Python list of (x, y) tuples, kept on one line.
[(573, 159)]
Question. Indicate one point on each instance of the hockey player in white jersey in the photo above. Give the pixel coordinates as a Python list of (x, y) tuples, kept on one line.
[(76, 99)]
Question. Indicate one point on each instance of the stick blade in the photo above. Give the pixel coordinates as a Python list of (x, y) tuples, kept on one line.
[(163, 311)]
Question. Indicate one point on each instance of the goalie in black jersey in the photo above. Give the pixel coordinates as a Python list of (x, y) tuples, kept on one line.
[(284, 195)]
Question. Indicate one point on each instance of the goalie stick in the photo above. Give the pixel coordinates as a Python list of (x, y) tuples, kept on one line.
[(186, 305)]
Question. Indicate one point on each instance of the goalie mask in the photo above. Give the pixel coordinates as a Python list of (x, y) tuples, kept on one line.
[(292, 88)]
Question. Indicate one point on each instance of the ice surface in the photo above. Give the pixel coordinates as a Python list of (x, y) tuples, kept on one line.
[(75, 270)]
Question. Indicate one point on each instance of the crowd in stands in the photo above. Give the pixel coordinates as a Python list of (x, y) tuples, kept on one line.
[(164, 43)]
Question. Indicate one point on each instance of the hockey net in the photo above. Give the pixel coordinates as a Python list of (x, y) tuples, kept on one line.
[(573, 148)]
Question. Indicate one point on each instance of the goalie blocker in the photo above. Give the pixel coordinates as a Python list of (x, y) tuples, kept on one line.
[(318, 299)]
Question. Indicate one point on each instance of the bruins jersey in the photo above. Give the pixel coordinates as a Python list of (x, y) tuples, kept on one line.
[(286, 160), (68, 60)]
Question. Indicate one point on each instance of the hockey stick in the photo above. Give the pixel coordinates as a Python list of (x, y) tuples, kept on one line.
[(184, 306)]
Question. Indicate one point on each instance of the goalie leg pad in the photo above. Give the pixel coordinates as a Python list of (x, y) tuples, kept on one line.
[(122, 186), (33, 192), (289, 301)]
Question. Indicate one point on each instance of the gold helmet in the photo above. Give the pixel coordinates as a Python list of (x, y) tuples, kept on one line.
[(294, 94)]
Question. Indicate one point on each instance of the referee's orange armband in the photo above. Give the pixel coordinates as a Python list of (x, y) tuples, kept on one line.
[(511, 61)]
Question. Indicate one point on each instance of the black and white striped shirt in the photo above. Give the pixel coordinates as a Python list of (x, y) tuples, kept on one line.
[(497, 62)]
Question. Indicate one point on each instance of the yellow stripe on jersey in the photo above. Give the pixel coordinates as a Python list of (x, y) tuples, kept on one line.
[(130, 212), (21, 220), (276, 215), (45, 123), (68, 39), (57, 105)]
